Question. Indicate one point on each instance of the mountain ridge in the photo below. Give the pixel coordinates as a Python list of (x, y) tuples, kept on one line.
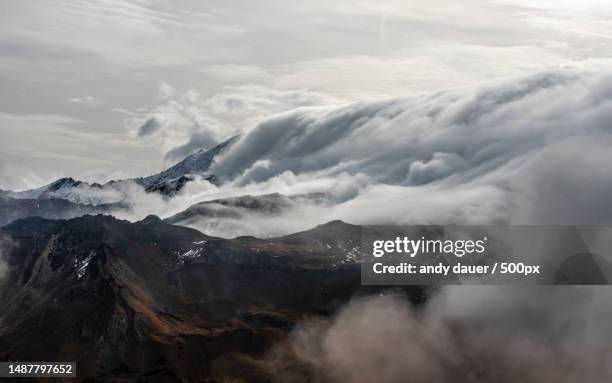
[(158, 302), (167, 182)]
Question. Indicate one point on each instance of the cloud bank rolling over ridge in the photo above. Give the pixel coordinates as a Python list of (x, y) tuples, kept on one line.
[(530, 150)]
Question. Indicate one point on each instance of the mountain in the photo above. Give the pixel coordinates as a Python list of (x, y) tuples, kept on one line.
[(167, 182), (67, 189), (241, 206), (150, 301), (174, 178), (248, 215), (56, 189), (68, 198), (12, 209)]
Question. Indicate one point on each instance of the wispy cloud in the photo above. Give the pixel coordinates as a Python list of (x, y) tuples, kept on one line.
[(185, 121), (86, 101)]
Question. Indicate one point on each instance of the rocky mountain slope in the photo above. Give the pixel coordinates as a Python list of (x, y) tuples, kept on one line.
[(158, 302)]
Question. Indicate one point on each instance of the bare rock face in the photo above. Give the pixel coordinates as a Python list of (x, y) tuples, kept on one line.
[(153, 301)]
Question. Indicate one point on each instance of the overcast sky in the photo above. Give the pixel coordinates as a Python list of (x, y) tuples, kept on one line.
[(109, 89)]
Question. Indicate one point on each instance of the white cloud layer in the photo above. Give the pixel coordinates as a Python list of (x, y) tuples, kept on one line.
[(529, 150), (514, 151)]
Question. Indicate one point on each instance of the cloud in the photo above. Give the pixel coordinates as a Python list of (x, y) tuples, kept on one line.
[(511, 152), (351, 51), (129, 24), (439, 166), (39, 148), (566, 183), (149, 127), (184, 122), (485, 126), (505, 152), (86, 101), (548, 335), (426, 68), (2, 169), (199, 140), (173, 120), (237, 73), (6, 245)]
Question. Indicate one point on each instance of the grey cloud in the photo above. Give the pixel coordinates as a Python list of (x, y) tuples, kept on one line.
[(479, 130), (14, 177), (298, 140), (6, 245), (353, 51), (201, 139), (531, 150), (463, 334), (439, 166), (566, 183), (528, 150), (86, 101), (509, 152), (62, 147), (184, 122), (2, 168), (149, 127)]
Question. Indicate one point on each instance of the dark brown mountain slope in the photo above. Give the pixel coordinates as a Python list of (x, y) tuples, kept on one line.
[(158, 302)]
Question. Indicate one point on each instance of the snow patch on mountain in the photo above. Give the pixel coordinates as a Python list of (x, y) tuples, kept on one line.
[(82, 264)]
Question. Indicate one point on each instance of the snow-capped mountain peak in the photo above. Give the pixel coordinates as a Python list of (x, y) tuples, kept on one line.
[(167, 182), (195, 165)]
